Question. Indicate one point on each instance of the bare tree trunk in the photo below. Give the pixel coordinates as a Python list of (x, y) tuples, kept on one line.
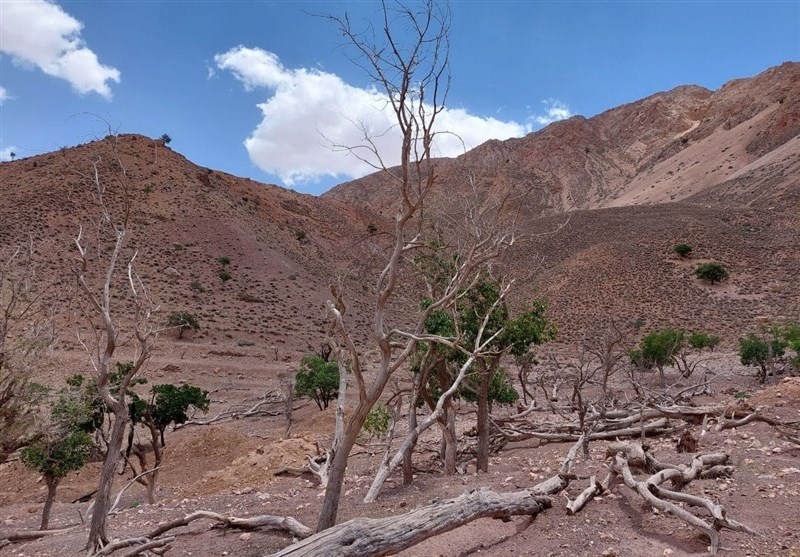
[(52, 484), (408, 464), (338, 465), (98, 532), (450, 439), (483, 421)]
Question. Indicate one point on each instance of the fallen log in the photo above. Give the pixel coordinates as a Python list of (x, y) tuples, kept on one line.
[(375, 537), (153, 538), (15, 536)]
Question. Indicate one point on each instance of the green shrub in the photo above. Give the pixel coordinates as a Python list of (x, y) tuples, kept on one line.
[(317, 379), (183, 321), (197, 286), (757, 351), (377, 422), (683, 250), (712, 272), (224, 275), (701, 340), (224, 260)]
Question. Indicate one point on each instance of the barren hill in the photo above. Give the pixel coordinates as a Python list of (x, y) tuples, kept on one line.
[(666, 147), (717, 170), (284, 248)]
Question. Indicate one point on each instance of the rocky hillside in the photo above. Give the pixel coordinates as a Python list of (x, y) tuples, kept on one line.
[(607, 198), (284, 248), (667, 147)]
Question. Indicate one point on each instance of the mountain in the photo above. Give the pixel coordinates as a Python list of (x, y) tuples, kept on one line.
[(666, 147), (284, 248), (608, 197)]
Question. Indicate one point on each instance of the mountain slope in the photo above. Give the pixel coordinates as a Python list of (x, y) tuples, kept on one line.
[(284, 247)]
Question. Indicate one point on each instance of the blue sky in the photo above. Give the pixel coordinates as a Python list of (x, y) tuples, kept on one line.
[(256, 88)]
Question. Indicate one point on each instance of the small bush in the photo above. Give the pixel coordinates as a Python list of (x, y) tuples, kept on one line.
[(224, 260), (178, 247), (197, 286), (165, 139), (183, 321), (712, 272), (371, 228), (683, 250), (300, 235), (224, 275)]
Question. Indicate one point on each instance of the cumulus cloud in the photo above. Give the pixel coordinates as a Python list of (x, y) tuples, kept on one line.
[(554, 110), (39, 33), (5, 154), (309, 111), (4, 95)]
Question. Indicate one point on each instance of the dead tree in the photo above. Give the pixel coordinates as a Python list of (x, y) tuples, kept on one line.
[(412, 72), (27, 333), (112, 190)]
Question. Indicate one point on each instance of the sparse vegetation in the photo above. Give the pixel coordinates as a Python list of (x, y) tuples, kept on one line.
[(712, 272), (183, 322), (684, 250), (224, 275), (224, 260), (300, 235), (317, 379), (165, 139), (197, 286)]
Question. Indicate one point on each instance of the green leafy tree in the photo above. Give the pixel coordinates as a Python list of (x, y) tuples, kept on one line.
[(166, 405), (183, 321), (684, 250), (765, 349), (658, 349), (317, 379), (712, 272), (700, 340), (62, 446)]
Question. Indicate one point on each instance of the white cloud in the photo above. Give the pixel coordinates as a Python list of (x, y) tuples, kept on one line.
[(4, 95), (308, 110), (39, 33), (5, 154), (554, 110)]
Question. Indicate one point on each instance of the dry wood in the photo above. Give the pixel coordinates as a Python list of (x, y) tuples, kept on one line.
[(630, 457), (14, 536), (153, 540), (374, 537), (595, 488)]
